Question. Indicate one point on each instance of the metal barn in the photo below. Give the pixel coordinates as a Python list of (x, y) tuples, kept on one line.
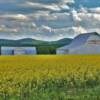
[(7, 50), (88, 43)]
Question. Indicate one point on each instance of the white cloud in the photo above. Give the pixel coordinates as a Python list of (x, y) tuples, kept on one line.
[(70, 31), (20, 17), (3, 28), (14, 16), (58, 6), (50, 20), (75, 15), (68, 1), (79, 30), (95, 10), (45, 28), (53, 7)]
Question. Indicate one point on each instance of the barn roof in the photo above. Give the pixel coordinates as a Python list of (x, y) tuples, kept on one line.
[(79, 40)]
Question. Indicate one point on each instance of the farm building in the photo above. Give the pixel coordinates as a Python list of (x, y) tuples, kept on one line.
[(88, 43), (5, 50)]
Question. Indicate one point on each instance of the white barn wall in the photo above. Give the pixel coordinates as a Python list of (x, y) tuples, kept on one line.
[(6, 50), (25, 50), (90, 45), (17, 50), (86, 49), (62, 51), (93, 37)]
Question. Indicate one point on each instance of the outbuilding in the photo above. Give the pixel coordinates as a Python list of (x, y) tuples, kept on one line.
[(88, 43), (7, 50)]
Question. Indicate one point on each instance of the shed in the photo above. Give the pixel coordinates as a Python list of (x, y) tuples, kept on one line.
[(7, 50)]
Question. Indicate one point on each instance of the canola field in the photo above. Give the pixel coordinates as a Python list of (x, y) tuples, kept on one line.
[(50, 77)]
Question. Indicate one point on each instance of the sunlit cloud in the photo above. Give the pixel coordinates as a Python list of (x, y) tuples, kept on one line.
[(48, 19), (14, 16)]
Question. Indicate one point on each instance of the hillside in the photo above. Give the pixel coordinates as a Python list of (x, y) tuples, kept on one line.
[(32, 42), (43, 47)]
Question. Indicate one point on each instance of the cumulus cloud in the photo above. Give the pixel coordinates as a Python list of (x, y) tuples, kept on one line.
[(75, 15), (48, 19), (3, 28), (53, 7), (50, 7), (14, 16), (95, 10), (52, 1)]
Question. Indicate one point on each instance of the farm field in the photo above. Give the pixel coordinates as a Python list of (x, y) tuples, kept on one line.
[(50, 77)]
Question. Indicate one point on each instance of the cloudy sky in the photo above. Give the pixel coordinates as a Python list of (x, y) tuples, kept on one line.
[(48, 19)]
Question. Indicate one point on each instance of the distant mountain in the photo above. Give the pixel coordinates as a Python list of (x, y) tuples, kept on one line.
[(5, 42), (33, 42), (61, 42)]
